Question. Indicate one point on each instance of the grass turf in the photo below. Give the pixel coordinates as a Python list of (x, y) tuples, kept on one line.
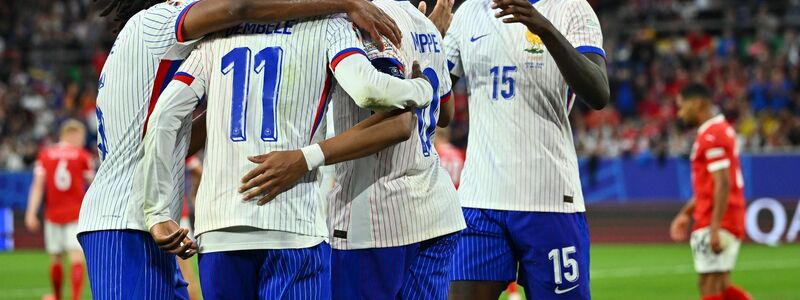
[(618, 272)]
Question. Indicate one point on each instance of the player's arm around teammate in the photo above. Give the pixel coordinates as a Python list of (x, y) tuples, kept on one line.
[(210, 16), (368, 87), (277, 171), (585, 73), (206, 17)]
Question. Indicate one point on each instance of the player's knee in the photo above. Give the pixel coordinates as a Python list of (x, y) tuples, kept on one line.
[(76, 257), (56, 258)]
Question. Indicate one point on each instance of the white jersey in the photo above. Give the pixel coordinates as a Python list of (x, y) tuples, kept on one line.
[(146, 54), (267, 87), (401, 195), (520, 155)]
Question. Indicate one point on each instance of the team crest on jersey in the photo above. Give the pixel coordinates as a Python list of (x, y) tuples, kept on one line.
[(537, 46)]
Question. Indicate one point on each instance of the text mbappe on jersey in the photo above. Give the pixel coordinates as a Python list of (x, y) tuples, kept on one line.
[(284, 27), (425, 42)]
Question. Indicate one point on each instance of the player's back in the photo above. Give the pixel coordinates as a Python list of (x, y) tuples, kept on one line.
[(140, 64), (521, 152), (268, 88), (400, 195), (65, 167)]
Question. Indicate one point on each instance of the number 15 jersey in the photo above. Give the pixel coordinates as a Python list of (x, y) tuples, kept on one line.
[(521, 155)]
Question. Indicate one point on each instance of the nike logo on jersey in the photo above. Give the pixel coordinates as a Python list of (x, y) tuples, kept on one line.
[(559, 291), (475, 38)]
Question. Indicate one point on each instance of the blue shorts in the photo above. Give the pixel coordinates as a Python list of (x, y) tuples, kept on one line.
[(267, 274), (416, 271), (127, 264), (549, 251)]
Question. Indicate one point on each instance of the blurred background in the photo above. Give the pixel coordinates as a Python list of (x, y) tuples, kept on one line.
[(633, 154)]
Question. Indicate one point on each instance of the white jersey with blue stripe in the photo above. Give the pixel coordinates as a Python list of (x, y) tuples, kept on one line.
[(145, 55), (267, 87), (400, 195), (521, 155)]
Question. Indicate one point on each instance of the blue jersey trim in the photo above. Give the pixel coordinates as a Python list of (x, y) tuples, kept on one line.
[(179, 22), (591, 49)]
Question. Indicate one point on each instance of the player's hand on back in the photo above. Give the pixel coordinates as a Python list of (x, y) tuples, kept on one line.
[(679, 229), (442, 14), (32, 222), (374, 21), (172, 238), (521, 11), (275, 173)]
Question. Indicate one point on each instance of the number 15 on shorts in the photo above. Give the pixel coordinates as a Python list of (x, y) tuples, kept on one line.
[(563, 258)]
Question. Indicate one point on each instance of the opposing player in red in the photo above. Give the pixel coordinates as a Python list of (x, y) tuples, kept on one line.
[(718, 204), (62, 173)]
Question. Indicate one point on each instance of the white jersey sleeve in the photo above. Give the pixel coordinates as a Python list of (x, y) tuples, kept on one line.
[(172, 112), (162, 27), (583, 29), (452, 48), (146, 54), (368, 87)]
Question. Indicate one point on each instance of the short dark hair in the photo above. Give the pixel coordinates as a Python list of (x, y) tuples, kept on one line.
[(696, 90), (123, 9)]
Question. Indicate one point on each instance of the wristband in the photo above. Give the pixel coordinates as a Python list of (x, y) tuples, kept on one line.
[(314, 156)]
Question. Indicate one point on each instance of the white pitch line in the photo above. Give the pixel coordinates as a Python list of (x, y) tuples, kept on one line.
[(689, 269), (24, 293)]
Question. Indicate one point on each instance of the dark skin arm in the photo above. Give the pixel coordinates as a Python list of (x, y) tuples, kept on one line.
[(279, 170), (446, 112), (213, 15), (584, 73), (722, 188), (448, 109)]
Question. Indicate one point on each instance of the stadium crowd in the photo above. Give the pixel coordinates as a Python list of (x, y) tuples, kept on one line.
[(749, 53)]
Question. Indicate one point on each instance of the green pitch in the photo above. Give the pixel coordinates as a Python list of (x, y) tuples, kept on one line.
[(618, 272)]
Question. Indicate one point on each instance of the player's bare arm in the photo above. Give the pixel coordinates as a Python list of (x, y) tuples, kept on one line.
[(448, 108), (279, 170), (442, 14), (198, 139), (679, 229), (584, 73), (210, 16), (34, 202), (722, 186)]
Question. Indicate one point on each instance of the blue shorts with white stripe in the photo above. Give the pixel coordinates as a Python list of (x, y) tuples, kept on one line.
[(549, 251), (127, 264), (417, 271), (302, 274)]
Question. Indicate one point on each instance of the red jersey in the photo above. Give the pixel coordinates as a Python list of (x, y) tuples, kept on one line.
[(64, 167), (715, 149), (452, 160)]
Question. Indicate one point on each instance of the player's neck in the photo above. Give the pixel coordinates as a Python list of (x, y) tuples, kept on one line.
[(704, 116)]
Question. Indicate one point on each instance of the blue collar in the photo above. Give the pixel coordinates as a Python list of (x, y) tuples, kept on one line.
[(533, 1)]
